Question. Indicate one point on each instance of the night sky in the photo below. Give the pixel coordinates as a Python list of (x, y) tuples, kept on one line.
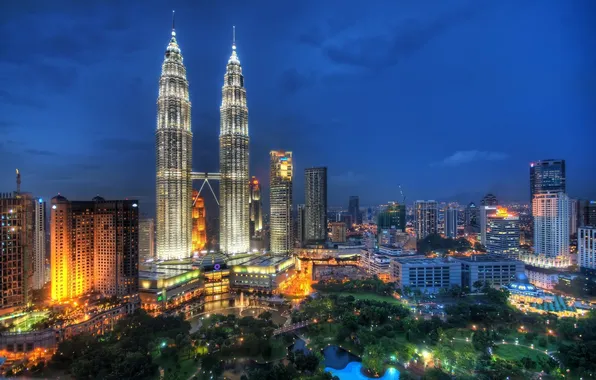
[(450, 99)]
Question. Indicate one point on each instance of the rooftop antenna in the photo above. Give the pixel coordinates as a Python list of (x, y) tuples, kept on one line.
[(234, 37), (18, 181)]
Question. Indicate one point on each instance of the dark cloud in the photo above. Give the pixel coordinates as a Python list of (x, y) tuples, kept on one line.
[(292, 81), (382, 51), (123, 145)]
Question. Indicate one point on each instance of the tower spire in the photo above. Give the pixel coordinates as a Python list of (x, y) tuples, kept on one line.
[(173, 23), (234, 37)]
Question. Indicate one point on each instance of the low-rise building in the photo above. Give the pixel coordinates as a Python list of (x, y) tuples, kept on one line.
[(426, 275), (544, 278), (497, 270)]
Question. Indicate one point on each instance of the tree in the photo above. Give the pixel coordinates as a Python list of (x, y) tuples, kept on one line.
[(373, 358), (477, 285), (528, 363)]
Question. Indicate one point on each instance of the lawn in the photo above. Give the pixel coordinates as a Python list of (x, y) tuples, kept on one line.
[(515, 353), (369, 296)]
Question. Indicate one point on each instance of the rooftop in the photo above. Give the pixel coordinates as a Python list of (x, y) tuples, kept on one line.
[(485, 258)]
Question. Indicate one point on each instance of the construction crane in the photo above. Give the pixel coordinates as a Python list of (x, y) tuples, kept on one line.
[(402, 195)]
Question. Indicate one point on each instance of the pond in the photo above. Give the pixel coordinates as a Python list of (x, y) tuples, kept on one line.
[(338, 358), (353, 372)]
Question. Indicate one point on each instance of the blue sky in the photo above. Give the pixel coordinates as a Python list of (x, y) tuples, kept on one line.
[(450, 99)]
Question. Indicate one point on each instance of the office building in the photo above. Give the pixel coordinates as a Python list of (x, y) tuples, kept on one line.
[(586, 247), (485, 212), (425, 275), (451, 214), (39, 245), (471, 216), (502, 233), (497, 270), (392, 217), (425, 218), (174, 158), (489, 200), (234, 198), (316, 204), (94, 247), (256, 207), (199, 223), (280, 200), (146, 239), (551, 224), (338, 232), (547, 176), (301, 224), (354, 210), (586, 213), (16, 248), (573, 216)]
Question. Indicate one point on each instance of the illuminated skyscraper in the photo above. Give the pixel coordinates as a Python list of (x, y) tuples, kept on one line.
[(280, 200), (199, 223), (94, 247), (234, 234), (146, 239), (551, 224), (316, 204), (547, 176), (426, 218), (39, 244), (174, 158), (502, 234), (256, 207)]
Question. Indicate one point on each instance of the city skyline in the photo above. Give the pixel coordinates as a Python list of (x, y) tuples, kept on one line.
[(106, 137)]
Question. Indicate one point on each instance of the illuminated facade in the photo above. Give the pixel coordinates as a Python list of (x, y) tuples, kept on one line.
[(547, 176), (234, 234), (146, 239), (425, 218), (316, 204), (16, 249), (586, 247), (174, 158), (338, 232), (280, 200), (39, 244), (551, 224), (94, 247), (199, 226), (256, 207), (502, 233)]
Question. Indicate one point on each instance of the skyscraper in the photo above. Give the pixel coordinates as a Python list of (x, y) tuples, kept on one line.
[(146, 239), (256, 207), (586, 213), (16, 248), (573, 216), (338, 232), (451, 222), (471, 216), (425, 218), (393, 217), (280, 200), (316, 204), (586, 247), (551, 224), (485, 212), (94, 247), (502, 236), (301, 224), (174, 158), (547, 176), (233, 161), (199, 223), (39, 245), (354, 209)]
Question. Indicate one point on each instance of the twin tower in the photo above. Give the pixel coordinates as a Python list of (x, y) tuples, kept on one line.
[(174, 159)]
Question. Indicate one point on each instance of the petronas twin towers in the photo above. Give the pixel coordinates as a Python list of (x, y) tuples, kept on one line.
[(174, 159)]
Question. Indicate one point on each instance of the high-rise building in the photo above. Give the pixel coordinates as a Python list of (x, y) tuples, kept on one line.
[(547, 176), (485, 212), (316, 204), (586, 247), (425, 218), (256, 207), (338, 232), (39, 245), (451, 214), (301, 224), (354, 209), (94, 247), (146, 239), (573, 216), (174, 158), (199, 223), (234, 234), (471, 216), (551, 224), (16, 248), (502, 234), (586, 213), (489, 200), (280, 200), (115, 247), (392, 217)]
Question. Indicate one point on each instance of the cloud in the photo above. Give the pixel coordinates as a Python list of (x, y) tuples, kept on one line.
[(292, 81), (382, 51), (466, 156)]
